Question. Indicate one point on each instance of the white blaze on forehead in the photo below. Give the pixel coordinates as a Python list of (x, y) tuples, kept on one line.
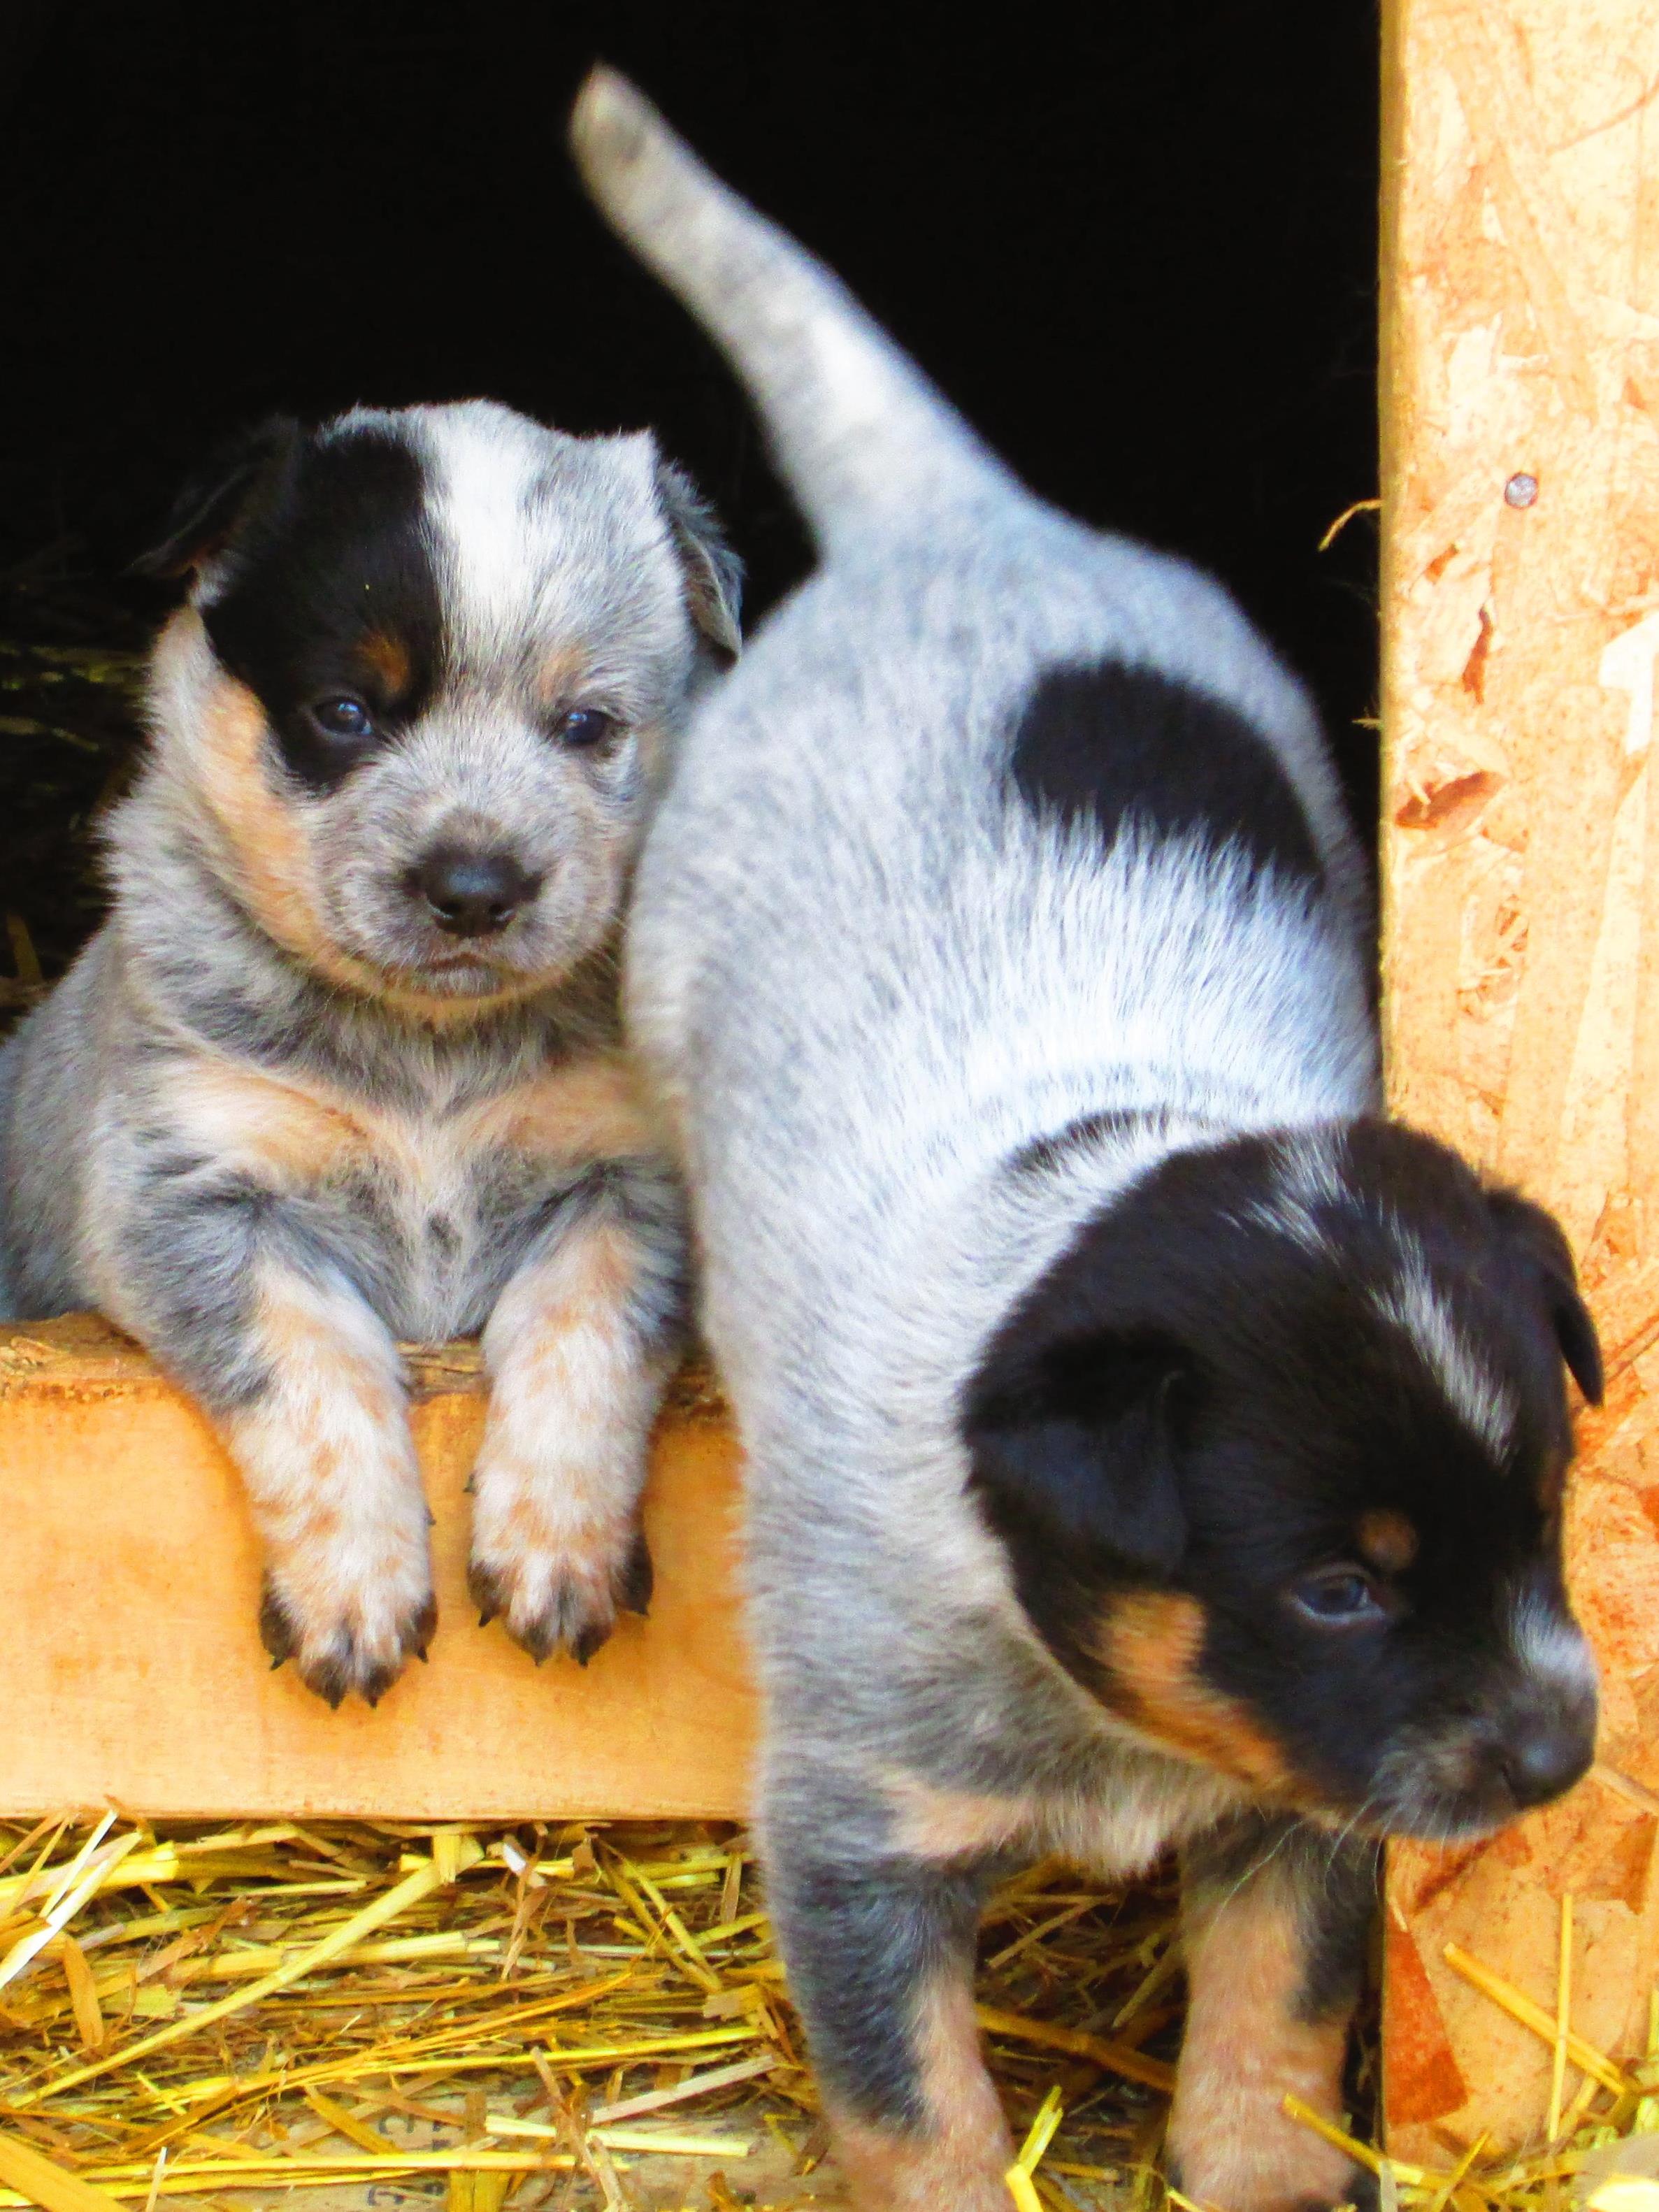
[(482, 460), (1553, 1648), (1481, 1400)]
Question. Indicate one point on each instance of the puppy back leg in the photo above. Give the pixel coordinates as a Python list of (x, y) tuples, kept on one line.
[(1275, 1917), (880, 1954), (579, 1349)]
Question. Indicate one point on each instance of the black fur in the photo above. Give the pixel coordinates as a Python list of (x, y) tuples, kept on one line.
[(882, 1933), (221, 494), (1119, 745), (1204, 1397), (330, 552)]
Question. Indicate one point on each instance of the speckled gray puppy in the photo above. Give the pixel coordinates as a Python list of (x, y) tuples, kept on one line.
[(343, 1065), (1148, 1443)]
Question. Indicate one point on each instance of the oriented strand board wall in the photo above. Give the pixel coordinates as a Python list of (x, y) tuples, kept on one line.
[(130, 1653), (1521, 888)]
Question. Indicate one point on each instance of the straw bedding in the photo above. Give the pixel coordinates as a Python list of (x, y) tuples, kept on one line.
[(579, 2016)]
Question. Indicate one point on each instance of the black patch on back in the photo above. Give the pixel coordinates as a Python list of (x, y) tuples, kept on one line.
[(333, 590), (1116, 745)]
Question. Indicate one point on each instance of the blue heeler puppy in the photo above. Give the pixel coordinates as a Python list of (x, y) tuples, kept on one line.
[(344, 1065), (1149, 1443)]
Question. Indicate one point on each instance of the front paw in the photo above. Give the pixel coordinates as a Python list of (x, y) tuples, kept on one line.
[(343, 1637), (566, 1594)]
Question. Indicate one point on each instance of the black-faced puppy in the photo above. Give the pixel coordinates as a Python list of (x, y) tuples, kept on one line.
[(344, 1065), (1149, 1443)]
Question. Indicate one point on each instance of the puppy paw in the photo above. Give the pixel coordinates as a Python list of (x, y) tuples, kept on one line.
[(567, 1595), (347, 1640), (1276, 2175)]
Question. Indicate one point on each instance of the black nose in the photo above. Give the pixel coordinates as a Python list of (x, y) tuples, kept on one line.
[(1542, 1759), (472, 894)]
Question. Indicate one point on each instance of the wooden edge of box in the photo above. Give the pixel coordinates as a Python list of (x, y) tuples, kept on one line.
[(130, 1656)]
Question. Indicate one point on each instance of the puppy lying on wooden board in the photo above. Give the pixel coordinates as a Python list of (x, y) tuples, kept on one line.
[(1148, 1442), (344, 1065)]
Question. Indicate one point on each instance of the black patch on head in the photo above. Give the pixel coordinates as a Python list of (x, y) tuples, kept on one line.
[(332, 592), (1205, 1393), (1114, 746), (1074, 1466), (1532, 1243)]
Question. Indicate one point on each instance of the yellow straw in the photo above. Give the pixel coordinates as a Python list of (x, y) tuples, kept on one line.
[(1562, 2017), (461, 1852)]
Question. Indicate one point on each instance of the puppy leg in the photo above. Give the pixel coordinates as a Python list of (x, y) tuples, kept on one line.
[(880, 1954), (1275, 1917), (579, 1349), (324, 1449), (239, 1293)]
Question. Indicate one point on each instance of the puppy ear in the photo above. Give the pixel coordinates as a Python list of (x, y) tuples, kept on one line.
[(234, 481), (1074, 1446), (713, 573), (1535, 1238)]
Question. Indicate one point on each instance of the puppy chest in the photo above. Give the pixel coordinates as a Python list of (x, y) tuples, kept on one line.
[(429, 1207), (449, 1225)]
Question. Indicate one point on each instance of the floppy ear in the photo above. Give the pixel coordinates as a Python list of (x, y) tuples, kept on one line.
[(1535, 1237), (1073, 1448), (713, 573), (233, 483)]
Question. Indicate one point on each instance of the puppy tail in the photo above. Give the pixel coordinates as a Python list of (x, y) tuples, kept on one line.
[(859, 435)]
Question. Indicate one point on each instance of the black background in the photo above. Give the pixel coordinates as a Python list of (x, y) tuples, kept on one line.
[(1137, 244)]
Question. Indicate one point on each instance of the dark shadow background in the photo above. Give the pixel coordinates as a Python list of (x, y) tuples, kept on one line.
[(1137, 247)]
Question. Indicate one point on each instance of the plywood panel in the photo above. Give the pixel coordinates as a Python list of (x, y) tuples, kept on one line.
[(1521, 869), (131, 1661)]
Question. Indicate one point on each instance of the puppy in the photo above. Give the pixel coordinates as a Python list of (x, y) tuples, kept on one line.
[(343, 1065), (1149, 1443)]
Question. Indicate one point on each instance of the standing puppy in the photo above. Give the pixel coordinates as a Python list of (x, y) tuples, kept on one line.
[(1148, 1442), (344, 1065)]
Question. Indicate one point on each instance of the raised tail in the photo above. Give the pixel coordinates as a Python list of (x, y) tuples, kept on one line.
[(859, 435)]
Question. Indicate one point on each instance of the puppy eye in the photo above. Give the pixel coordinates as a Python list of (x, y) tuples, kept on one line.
[(343, 717), (1338, 1597), (586, 726)]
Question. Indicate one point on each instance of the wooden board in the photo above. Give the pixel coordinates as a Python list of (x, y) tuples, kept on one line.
[(1521, 867), (130, 1658)]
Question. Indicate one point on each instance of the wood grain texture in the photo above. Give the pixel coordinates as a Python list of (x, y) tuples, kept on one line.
[(130, 1657), (1521, 886)]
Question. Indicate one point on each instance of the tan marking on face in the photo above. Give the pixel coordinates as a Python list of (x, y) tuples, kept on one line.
[(265, 841), (573, 1395), (952, 1824), (1387, 1539), (1245, 2049), (1151, 1642), (558, 676), (387, 659), (266, 856), (958, 2157)]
